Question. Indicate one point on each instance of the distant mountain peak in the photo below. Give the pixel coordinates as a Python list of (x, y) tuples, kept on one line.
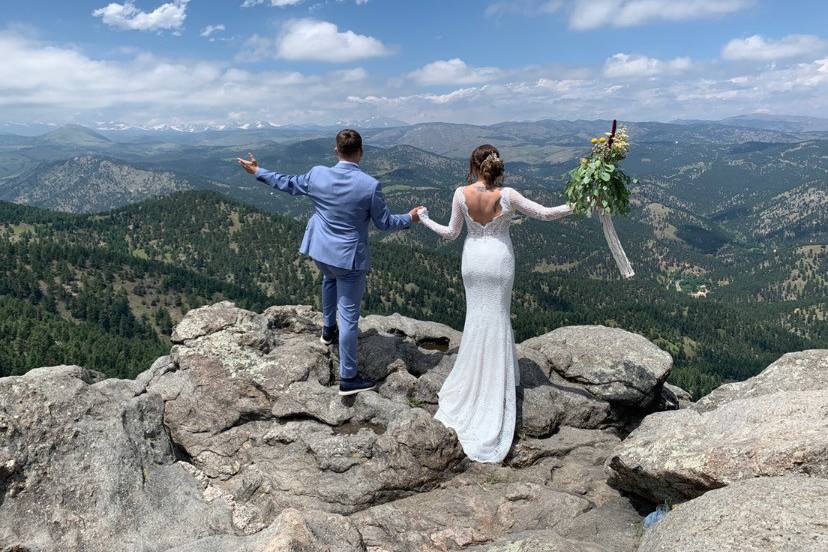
[(375, 121), (74, 135)]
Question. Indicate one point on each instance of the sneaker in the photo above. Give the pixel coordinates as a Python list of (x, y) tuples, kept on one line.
[(329, 335), (355, 385)]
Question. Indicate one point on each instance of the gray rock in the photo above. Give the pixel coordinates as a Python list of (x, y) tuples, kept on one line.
[(429, 384), (529, 451), (464, 516), (778, 427), (612, 364), (674, 397), (767, 514), (610, 528), (379, 354), (92, 462), (398, 386), (205, 321), (539, 541), (682, 454), (251, 405), (291, 531), (549, 401), (614, 525), (428, 335), (294, 318), (802, 371), (238, 441), (488, 504)]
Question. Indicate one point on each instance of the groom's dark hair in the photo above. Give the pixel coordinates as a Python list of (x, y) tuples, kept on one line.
[(348, 142)]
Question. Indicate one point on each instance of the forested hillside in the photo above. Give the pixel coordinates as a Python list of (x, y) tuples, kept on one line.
[(104, 290)]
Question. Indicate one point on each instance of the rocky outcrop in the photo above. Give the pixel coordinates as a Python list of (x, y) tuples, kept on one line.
[(794, 372), (237, 440), (253, 409), (767, 514), (613, 365), (85, 464), (770, 425)]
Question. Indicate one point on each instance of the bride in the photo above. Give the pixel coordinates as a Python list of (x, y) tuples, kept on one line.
[(477, 399)]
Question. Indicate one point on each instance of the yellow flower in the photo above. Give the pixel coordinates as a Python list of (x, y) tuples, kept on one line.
[(594, 140), (602, 139)]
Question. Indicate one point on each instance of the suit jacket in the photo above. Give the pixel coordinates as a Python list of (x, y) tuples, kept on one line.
[(345, 200)]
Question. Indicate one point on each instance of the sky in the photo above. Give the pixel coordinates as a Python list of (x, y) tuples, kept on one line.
[(230, 62)]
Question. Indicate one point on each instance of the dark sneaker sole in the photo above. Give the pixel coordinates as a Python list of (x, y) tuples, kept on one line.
[(355, 391)]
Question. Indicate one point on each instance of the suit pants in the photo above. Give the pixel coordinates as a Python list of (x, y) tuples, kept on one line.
[(342, 291)]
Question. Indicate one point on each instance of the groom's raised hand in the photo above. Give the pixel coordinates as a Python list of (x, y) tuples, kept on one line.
[(250, 165)]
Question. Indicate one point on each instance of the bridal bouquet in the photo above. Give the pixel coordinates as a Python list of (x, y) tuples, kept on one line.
[(597, 182)]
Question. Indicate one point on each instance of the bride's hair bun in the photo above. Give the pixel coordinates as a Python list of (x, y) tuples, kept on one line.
[(492, 168), (486, 164)]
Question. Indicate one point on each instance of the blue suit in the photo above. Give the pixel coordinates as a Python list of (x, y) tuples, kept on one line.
[(345, 201)]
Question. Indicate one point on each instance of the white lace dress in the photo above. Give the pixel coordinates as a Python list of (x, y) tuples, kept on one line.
[(477, 399)]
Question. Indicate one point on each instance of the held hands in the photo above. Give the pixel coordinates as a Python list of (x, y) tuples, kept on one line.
[(250, 165), (415, 214)]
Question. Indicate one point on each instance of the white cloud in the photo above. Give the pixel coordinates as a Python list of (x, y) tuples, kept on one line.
[(168, 16), (757, 48), (315, 40), (453, 71), (631, 66), (350, 75), (591, 14), (212, 29), (40, 81), (45, 82)]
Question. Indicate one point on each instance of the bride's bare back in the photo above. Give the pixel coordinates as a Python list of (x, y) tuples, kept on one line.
[(483, 204)]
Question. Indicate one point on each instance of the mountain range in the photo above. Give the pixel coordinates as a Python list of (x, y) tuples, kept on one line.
[(728, 222)]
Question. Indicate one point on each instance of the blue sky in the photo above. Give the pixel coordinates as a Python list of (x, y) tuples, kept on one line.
[(199, 62)]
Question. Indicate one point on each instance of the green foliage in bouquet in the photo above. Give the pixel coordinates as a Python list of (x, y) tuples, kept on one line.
[(597, 181)]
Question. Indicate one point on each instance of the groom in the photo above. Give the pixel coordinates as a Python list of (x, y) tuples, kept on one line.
[(344, 200)]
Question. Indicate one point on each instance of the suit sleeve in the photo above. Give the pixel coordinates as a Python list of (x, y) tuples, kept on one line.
[(292, 184), (382, 216)]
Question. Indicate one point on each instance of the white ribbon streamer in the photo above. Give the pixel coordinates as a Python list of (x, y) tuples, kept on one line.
[(615, 247)]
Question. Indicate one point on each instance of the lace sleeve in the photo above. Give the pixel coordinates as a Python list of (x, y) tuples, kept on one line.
[(535, 210), (455, 224)]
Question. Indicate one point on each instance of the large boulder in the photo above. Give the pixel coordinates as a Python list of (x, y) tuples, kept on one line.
[(779, 427), (539, 541), (250, 403), (291, 531), (767, 514), (555, 491), (459, 517), (613, 365), (550, 396), (428, 335), (800, 371), (85, 464)]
